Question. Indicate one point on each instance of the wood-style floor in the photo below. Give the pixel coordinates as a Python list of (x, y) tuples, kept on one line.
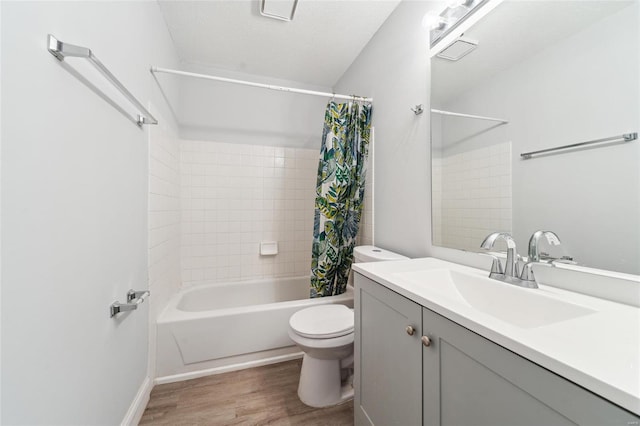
[(257, 396)]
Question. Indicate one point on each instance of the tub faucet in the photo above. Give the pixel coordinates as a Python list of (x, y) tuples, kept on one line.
[(511, 266)]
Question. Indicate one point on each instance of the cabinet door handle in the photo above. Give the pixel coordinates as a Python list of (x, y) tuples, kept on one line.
[(426, 341), (410, 330)]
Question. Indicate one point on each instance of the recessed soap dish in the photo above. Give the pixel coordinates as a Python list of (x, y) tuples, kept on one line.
[(268, 248)]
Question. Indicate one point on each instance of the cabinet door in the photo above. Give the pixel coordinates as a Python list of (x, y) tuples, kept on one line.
[(469, 380), (388, 358)]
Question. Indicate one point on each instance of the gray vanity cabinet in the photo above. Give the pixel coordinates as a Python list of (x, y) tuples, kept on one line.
[(469, 380), (445, 374), (388, 358)]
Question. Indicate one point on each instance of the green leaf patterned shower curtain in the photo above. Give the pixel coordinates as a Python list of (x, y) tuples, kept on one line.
[(339, 194)]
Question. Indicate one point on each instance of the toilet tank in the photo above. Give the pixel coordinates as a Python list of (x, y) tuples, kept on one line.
[(374, 254), (363, 254)]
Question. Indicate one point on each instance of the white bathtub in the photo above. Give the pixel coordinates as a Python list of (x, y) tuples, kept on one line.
[(218, 327)]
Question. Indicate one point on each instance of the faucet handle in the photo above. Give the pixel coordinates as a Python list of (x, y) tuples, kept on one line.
[(496, 265), (527, 272)]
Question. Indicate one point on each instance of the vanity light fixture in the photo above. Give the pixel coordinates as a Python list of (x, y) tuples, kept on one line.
[(282, 10), (432, 21), (456, 12), (452, 4)]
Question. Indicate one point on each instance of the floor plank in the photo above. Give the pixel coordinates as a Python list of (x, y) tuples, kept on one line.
[(257, 396)]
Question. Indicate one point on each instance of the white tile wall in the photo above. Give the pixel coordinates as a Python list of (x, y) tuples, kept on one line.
[(163, 224), (164, 213), (472, 196), (235, 196)]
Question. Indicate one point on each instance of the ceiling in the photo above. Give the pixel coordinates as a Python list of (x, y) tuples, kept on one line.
[(316, 48), (511, 33)]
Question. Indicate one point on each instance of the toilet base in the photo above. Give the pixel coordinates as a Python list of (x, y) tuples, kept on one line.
[(321, 383)]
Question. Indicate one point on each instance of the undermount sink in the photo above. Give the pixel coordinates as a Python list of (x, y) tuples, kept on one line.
[(525, 308)]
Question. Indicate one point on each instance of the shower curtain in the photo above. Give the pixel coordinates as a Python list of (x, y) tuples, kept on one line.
[(339, 195)]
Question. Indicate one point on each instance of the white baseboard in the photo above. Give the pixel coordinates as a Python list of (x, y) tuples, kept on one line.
[(136, 410), (227, 368)]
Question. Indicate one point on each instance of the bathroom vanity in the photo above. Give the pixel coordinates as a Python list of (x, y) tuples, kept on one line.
[(439, 344)]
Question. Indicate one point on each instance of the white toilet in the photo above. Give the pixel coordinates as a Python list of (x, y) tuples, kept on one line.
[(325, 334)]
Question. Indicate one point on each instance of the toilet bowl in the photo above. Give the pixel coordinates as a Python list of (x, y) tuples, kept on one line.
[(325, 334)]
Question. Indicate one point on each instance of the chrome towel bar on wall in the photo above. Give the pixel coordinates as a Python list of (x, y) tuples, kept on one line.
[(134, 298), (627, 137), (61, 50)]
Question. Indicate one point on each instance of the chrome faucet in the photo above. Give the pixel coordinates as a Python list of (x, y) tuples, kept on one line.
[(536, 257), (534, 253), (511, 266), (510, 274)]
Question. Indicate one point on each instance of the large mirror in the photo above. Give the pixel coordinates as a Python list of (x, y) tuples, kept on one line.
[(543, 74)]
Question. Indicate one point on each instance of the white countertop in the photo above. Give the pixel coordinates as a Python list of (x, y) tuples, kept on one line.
[(599, 351)]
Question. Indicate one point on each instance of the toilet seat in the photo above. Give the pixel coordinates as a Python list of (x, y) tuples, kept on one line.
[(321, 344), (323, 322)]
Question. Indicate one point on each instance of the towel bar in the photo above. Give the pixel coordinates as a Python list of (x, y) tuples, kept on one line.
[(134, 298), (61, 50)]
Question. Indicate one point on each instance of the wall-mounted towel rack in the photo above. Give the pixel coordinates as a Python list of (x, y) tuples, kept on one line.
[(627, 137), (134, 299), (477, 117), (61, 50)]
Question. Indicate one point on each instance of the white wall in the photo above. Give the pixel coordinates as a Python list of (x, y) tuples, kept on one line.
[(0, 210), (224, 112), (393, 69), (74, 218)]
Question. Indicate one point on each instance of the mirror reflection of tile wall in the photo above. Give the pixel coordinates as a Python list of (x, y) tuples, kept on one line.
[(573, 82), (471, 196)]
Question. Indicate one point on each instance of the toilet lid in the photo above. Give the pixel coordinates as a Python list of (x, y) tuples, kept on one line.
[(323, 322)]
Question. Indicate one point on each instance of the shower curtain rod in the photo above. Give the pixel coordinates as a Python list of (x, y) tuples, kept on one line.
[(477, 117), (264, 86)]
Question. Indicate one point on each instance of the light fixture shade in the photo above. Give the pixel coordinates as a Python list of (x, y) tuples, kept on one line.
[(282, 10), (457, 12), (432, 20), (455, 3)]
